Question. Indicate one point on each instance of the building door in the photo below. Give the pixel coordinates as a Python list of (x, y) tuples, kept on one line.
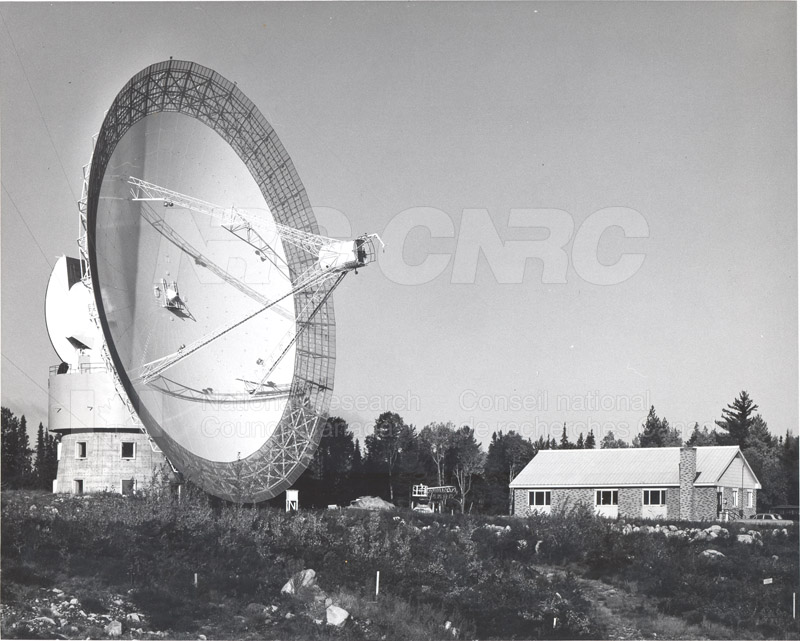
[(127, 486), (78, 486), (719, 502)]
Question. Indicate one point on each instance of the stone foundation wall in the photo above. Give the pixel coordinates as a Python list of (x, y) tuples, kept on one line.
[(104, 469)]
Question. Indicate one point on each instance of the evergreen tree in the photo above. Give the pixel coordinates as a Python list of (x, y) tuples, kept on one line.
[(580, 444), (610, 442), (565, 444), (700, 438), (15, 451), (507, 455), (656, 432), (736, 420), (590, 443)]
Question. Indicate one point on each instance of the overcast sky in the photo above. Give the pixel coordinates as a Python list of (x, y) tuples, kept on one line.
[(654, 142)]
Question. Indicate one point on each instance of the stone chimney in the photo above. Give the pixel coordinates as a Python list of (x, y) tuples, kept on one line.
[(687, 471)]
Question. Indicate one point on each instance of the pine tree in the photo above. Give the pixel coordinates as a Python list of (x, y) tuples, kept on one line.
[(40, 467), (580, 444), (565, 444), (590, 443), (736, 420)]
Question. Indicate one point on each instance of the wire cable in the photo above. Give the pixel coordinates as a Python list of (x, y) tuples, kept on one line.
[(24, 222), (38, 107)]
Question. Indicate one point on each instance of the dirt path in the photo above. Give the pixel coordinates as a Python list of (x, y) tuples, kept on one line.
[(618, 613)]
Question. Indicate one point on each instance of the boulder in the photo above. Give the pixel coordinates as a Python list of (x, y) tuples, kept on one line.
[(114, 629), (744, 538), (336, 616), (300, 580), (712, 554), (714, 528), (47, 620), (673, 528), (133, 617)]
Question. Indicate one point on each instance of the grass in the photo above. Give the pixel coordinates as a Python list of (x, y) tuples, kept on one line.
[(482, 574)]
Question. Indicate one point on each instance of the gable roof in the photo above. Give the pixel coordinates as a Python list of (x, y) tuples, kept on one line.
[(655, 466)]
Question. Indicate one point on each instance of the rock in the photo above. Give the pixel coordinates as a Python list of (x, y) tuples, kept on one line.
[(700, 536), (318, 621), (714, 528), (255, 609), (57, 591), (712, 535), (302, 579), (673, 528), (754, 533), (744, 538), (712, 554), (336, 616), (785, 532), (47, 620), (273, 608), (202, 637), (73, 601), (114, 629), (133, 617), (289, 615), (447, 625), (636, 528), (328, 602)]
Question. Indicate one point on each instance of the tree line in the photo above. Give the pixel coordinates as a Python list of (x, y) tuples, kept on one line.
[(19, 468), (397, 456)]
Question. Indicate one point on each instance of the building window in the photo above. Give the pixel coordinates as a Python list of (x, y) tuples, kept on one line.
[(606, 497), (654, 497), (539, 498), (128, 486), (128, 449), (80, 450), (735, 497), (749, 498), (78, 486)]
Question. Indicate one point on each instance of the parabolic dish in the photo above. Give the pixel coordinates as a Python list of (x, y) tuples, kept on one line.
[(180, 294)]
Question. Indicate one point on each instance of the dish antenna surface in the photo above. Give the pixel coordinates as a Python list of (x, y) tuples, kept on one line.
[(211, 282)]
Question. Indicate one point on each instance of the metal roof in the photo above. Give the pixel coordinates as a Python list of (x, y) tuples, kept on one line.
[(657, 466)]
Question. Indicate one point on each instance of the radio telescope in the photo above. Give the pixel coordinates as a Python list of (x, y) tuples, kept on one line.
[(211, 283)]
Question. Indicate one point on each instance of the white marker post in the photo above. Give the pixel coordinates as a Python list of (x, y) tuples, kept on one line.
[(195, 580), (377, 583)]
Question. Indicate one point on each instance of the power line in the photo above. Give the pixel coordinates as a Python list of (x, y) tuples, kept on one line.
[(24, 222), (38, 107)]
